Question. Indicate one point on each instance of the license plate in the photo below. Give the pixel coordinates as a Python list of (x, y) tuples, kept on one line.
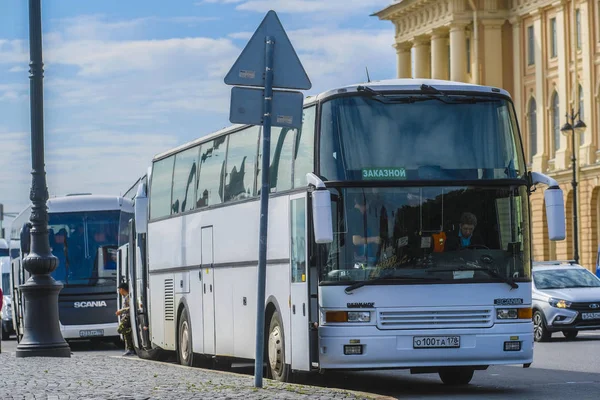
[(590, 315), (91, 333), (436, 342)]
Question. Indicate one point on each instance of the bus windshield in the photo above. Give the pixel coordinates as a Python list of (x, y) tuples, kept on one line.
[(439, 234), (85, 244), (419, 137)]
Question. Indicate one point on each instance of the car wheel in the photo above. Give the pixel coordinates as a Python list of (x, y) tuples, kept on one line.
[(570, 335), (456, 376), (540, 332)]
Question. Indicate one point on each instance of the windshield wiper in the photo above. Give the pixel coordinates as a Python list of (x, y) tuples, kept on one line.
[(490, 271), (429, 93), (386, 278)]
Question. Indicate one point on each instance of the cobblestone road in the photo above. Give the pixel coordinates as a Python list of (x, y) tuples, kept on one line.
[(89, 376)]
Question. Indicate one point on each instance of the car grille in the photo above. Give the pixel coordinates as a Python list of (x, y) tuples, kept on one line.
[(585, 306), (435, 319)]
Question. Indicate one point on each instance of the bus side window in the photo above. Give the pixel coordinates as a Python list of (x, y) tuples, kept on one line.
[(210, 178), (282, 142), (184, 180), (304, 148), (160, 186), (241, 164)]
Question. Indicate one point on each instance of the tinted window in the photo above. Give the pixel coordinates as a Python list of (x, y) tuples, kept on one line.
[(184, 181), (241, 164), (305, 144), (564, 278), (419, 138), (212, 163), (160, 190), (3, 252), (282, 143)]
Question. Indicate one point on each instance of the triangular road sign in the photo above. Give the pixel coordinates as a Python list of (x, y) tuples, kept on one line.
[(288, 72)]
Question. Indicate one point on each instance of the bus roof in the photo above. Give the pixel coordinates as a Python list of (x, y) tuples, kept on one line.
[(75, 203), (384, 85)]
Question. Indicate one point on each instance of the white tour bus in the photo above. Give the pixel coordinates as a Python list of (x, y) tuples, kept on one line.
[(84, 232), (372, 261)]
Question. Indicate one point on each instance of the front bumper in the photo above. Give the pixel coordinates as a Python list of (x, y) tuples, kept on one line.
[(79, 331), (564, 319), (394, 348)]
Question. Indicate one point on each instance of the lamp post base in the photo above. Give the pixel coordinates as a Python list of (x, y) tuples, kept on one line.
[(41, 336)]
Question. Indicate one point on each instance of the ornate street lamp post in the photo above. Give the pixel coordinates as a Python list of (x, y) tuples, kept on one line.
[(41, 336), (574, 128)]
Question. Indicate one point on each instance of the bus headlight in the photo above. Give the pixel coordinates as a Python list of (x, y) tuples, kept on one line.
[(347, 316), (513, 313)]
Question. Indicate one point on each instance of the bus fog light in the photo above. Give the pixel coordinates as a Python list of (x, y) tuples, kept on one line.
[(512, 346), (354, 349), (359, 316), (507, 313)]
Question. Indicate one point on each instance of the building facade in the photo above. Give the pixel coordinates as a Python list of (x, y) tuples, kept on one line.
[(546, 53)]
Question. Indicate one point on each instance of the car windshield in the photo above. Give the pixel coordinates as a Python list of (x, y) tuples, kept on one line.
[(564, 279), (85, 244), (457, 234)]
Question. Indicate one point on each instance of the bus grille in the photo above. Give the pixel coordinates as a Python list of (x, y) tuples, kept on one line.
[(435, 319), (169, 300)]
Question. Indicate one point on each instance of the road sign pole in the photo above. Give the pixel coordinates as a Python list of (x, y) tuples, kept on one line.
[(264, 213)]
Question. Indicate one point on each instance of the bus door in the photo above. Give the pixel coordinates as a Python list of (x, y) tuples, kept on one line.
[(208, 298), (300, 284)]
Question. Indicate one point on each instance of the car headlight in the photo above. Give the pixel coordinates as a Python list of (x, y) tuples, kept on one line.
[(559, 303)]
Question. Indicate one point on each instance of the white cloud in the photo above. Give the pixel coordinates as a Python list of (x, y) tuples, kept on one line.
[(218, 1), (17, 69), (13, 52)]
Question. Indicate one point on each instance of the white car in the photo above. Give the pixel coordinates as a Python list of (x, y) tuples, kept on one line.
[(566, 298)]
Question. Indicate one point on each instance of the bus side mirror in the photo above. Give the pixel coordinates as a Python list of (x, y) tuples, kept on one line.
[(141, 210), (321, 208), (25, 238), (555, 213), (555, 206)]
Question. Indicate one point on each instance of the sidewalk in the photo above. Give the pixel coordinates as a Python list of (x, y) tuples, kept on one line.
[(89, 376)]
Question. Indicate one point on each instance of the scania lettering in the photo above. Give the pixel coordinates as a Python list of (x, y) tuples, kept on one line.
[(85, 304), (84, 233), (367, 265)]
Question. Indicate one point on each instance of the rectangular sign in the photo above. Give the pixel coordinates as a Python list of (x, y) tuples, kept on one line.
[(590, 315), (247, 107), (380, 174), (91, 333)]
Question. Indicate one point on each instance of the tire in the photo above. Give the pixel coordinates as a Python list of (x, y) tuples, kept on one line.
[(185, 351), (277, 369), (456, 376), (5, 335), (540, 332), (570, 335)]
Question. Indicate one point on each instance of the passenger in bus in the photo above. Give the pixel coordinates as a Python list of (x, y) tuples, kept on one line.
[(466, 235), (364, 231)]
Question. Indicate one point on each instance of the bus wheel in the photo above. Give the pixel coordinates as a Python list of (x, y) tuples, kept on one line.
[(184, 344), (277, 369), (456, 375)]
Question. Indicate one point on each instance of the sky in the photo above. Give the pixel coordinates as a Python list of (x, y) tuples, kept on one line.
[(125, 80)]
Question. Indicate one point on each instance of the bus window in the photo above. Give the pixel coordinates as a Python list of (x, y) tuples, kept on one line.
[(241, 164), (304, 152), (184, 180), (282, 142), (161, 183), (212, 163)]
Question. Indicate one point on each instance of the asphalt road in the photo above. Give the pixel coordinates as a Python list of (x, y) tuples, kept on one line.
[(561, 369)]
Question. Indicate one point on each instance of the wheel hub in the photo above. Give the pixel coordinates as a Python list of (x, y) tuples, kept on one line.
[(275, 349), (184, 344)]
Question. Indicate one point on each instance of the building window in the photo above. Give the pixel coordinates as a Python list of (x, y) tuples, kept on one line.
[(468, 55), (532, 118), (578, 28), (556, 121), (553, 40), (530, 46), (581, 113)]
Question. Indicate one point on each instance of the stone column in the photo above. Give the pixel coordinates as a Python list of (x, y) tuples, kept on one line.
[(492, 55), (561, 156), (404, 59), (587, 151), (422, 57), (517, 91), (439, 54), (458, 52)]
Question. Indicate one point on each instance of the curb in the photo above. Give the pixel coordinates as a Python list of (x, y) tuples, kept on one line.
[(363, 395)]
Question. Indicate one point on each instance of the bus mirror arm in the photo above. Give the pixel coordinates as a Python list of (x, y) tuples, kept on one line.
[(555, 205), (321, 208)]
